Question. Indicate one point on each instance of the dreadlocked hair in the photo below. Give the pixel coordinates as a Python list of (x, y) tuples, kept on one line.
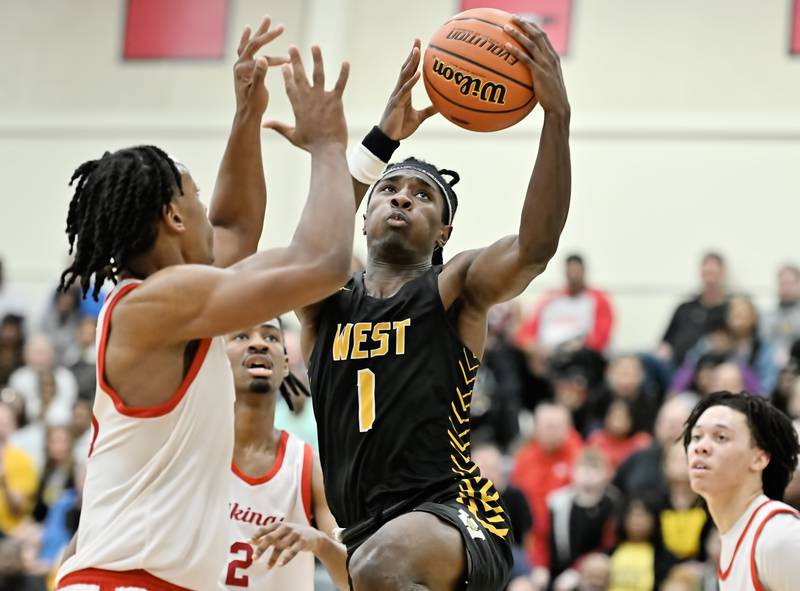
[(770, 429), (112, 216)]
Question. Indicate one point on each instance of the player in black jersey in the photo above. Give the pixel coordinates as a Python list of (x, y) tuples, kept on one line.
[(394, 354)]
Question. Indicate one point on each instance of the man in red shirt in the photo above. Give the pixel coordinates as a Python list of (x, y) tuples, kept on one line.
[(544, 465)]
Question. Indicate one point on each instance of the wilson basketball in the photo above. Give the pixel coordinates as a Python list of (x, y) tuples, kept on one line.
[(472, 78)]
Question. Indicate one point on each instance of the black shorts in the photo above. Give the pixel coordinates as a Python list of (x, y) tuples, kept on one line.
[(489, 556)]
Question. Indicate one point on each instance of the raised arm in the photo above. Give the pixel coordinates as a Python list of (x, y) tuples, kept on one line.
[(504, 269), (187, 302), (240, 194)]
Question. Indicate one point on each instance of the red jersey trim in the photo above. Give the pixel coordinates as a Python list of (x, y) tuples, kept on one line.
[(95, 433), (305, 486), (723, 575), (143, 412), (113, 579), (255, 480), (753, 566)]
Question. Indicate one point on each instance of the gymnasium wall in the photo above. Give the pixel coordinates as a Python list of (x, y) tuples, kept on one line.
[(685, 135)]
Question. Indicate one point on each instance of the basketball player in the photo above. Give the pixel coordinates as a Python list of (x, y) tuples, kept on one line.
[(159, 464), (742, 453), (276, 481), (394, 354)]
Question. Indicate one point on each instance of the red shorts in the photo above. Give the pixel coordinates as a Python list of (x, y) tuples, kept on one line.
[(94, 579)]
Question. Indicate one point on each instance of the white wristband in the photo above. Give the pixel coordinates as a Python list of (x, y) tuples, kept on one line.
[(365, 166)]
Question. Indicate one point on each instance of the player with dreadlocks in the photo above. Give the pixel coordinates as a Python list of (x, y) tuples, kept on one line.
[(159, 464), (276, 491), (742, 454), (393, 355)]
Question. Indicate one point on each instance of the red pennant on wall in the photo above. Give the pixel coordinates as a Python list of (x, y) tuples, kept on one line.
[(175, 29), (554, 16), (794, 46)]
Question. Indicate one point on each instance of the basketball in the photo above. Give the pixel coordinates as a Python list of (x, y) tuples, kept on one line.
[(472, 78)]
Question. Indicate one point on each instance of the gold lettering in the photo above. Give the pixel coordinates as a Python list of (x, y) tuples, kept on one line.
[(341, 343), (400, 335), (379, 335), (360, 332)]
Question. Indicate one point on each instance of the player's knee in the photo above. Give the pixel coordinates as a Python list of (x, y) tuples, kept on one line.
[(378, 568)]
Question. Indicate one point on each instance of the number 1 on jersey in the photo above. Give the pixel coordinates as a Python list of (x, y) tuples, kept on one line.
[(366, 399)]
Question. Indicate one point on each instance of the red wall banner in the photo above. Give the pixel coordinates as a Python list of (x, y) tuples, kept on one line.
[(553, 16), (175, 29)]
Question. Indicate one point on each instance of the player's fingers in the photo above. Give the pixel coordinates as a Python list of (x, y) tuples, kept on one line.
[(427, 112), (288, 81), (318, 75), (277, 60), (521, 38), (532, 31), (274, 557), (406, 88), (267, 37), (269, 528), (522, 56), (243, 40), (298, 70), (264, 26), (259, 71), (286, 131), (341, 82), (290, 553)]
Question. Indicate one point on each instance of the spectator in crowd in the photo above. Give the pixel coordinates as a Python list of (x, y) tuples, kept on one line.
[(681, 578), (497, 397), (40, 362), (620, 435), (709, 580), (60, 322), (57, 474), (582, 520), (13, 575), (783, 388), (749, 348), (490, 463), (17, 476), (595, 572), (81, 429), (641, 473), (731, 377), (544, 465), (639, 562), (684, 522), (575, 375), (781, 326), (575, 313), (82, 361), (625, 379), (692, 318), (62, 521), (12, 343), (11, 302)]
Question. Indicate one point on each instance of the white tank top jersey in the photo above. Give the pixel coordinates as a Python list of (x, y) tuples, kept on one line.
[(761, 551), (282, 494), (157, 477)]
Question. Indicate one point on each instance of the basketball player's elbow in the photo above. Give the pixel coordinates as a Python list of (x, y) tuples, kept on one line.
[(536, 252)]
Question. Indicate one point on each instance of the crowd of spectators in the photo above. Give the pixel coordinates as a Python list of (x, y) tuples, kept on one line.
[(580, 439)]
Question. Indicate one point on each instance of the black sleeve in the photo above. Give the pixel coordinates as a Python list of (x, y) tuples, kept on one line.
[(669, 334)]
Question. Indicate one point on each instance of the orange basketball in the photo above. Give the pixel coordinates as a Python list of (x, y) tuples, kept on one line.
[(472, 78)]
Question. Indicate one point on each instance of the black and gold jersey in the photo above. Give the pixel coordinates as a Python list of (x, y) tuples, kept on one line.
[(391, 385)]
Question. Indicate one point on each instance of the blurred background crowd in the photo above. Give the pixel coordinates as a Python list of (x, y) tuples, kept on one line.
[(580, 438)]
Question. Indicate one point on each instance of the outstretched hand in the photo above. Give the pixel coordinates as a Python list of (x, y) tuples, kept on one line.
[(318, 113), (543, 62), (250, 71), (400, 118)]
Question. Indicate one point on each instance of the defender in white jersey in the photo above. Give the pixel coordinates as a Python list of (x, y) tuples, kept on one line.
[(276, 488), (157, 476), (742, 454)]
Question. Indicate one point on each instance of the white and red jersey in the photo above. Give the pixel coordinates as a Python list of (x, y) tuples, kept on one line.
[(157, 478), (761, 551), (283, 493)]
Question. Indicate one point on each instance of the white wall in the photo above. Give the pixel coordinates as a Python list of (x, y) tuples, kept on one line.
[(686, 133)]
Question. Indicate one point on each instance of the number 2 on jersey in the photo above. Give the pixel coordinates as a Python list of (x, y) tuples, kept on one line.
[(366, 400), (234, 579)]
